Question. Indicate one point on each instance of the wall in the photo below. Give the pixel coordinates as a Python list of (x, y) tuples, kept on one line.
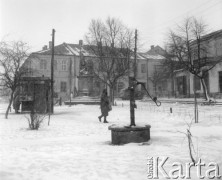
[(162, 89), (189, 87), (214, 78), (214, 46), (69, 75), (214, 50)]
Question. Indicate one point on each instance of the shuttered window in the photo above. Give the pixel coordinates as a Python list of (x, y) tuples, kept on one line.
[(220, 81), (197, 84), (63, 86)]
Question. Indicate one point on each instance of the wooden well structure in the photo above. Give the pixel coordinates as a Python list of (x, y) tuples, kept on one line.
[(34, 94)]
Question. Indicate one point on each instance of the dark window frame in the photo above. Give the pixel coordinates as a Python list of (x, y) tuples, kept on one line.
[(64, 65), (63, 86), (143, 68), (197, 83), (43, 64), (220, 81)]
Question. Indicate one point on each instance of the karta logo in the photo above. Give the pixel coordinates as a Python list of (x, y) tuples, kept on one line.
[(156, 168)]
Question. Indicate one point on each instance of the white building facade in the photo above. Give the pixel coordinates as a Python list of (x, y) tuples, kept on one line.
[(184, 81)]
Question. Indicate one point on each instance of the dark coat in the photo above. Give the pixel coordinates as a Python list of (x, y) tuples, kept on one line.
[(104, 105), (16, 101)]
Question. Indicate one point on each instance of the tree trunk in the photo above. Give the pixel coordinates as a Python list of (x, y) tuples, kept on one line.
[(206, 95), (195, 106), (9, 106), (172, 86), (111, 95)]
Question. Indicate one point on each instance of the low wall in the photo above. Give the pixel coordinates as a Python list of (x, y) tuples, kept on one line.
[(126, 134)]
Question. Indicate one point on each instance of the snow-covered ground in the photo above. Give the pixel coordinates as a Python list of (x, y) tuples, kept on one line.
[(77, 146)]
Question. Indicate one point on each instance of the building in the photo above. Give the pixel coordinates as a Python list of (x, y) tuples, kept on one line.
[(184, 80), (147, 65), (149, 69), (71, 78), (156, 50)]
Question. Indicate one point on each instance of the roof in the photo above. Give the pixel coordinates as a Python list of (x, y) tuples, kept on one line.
[(149, 56), (212, 35), (156, 50), (75, 49), (69, 49), (86, 50), (62, 49), (58, 50), (209, 36)]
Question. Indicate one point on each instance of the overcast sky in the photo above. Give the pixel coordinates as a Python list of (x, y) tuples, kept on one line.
[(32, 20)]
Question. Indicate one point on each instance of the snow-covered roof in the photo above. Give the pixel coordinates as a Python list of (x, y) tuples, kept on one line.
[(149, 56), (207, 37), (87, 50), (61, 49), (68, 49)]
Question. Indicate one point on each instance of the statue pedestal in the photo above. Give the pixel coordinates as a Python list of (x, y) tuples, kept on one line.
[(85, 86), (126, 134)]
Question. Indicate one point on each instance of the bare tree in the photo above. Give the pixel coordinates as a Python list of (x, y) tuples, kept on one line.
[(112, 43), (189, 46), (12, 56), (193, 153), (169, 66), (157, 77)]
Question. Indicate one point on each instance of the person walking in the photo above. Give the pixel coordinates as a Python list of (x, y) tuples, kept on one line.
[(104, 106)]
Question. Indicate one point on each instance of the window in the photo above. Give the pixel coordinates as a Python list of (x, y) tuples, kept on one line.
[(63, 86), (55, 65), (43, 64), (64, 65), (181, 85), (143, 68), (220, 81), (196, 82), (29, 68), (29, 64), (120, 86)]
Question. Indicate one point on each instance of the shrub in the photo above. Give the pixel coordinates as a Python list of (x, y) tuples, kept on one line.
[(35, 120)]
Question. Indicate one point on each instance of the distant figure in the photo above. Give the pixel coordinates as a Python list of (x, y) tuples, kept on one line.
[(105, 106), (10, 108), (60, 101), (16, 102), (71, 95)]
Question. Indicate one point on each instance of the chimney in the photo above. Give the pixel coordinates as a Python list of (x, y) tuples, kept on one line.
[(44, 47), (152, 47), (81, 42), (50, 44)]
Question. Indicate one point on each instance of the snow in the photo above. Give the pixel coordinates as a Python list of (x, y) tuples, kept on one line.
[(77, 146)]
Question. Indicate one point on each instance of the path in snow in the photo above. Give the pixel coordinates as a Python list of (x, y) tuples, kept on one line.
[(77, 146)]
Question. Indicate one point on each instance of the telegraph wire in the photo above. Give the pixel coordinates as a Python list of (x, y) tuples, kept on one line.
[(197, 8), (161, 28)]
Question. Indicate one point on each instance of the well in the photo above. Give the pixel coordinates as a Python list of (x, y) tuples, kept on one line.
[(128, 134)]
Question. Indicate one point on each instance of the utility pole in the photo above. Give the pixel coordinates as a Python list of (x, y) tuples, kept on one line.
[(52, 72), (135, 55), (70, 81), (132, 85), (147, 75)]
